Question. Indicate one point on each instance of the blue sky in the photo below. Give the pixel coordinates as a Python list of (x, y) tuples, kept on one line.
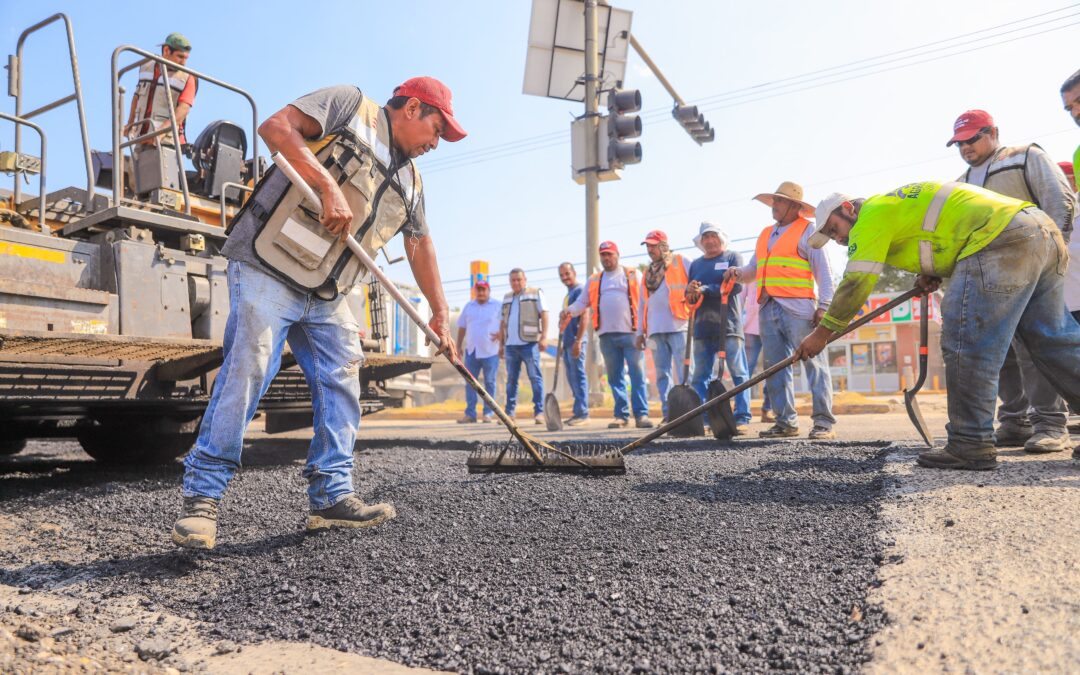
[(497, 198)]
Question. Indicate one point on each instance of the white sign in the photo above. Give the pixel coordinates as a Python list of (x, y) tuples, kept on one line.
[(555, 62)]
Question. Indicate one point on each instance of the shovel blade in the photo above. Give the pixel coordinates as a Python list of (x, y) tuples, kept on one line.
[(721, 418), (681, 400), (552, 416), (915, 415)]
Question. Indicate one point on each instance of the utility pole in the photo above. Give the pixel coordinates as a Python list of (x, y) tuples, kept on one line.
[(592, 186)]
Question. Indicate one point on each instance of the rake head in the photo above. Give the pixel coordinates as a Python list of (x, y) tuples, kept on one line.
[(592, 459)]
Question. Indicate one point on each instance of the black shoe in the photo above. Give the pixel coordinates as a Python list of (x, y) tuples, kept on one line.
[(779, 431), (943, 459)]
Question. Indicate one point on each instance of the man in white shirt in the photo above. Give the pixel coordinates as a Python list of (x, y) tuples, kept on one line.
[(478, 340)]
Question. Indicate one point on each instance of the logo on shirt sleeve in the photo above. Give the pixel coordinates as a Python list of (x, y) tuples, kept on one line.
[(851, 249)]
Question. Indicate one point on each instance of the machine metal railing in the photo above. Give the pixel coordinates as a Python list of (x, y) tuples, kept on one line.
[(173, 128), (15, 89), (19, 121)]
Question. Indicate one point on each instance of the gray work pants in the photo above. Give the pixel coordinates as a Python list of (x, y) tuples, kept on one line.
[(1022, 388)]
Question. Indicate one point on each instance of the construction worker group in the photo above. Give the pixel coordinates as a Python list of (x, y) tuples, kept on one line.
[(998, 234)]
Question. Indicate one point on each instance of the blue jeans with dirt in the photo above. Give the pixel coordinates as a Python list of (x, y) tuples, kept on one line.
[(1013, 286), (667, 353), (486, 367), (529, 354), (325, 340), (706, 351), (620, 356), (575, 376), (781, 332), (753, 351)]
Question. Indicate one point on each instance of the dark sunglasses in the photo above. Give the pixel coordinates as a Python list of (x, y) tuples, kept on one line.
[(976, 137)]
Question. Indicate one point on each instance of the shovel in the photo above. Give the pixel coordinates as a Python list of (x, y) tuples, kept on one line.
[(912, 405), (721, 419), (682, 397), (767, 373), (532, 445), (552, 416)]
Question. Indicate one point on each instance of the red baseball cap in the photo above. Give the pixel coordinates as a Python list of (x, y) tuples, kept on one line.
[(483, 283), (968, 124), (608, 246), (436, 94), (1067, 169), (655, 237)]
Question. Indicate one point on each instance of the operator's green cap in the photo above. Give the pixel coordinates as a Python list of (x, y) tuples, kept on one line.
[(178, 41)]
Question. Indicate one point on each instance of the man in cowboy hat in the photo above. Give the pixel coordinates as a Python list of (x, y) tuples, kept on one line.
[(786, 267)]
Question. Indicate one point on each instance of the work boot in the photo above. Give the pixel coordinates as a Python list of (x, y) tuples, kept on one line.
[(576, 421), (1011, 435), (643, 422), (943, 459), (767, 417), (197, 525), (467, 420), (779, 431), (350, 512), (618, 423), (1043, 442), (742, 429), (539, 419), (488, 419), (821, 433)]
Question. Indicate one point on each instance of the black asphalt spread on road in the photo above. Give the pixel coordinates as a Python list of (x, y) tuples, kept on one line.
[(742, 558)]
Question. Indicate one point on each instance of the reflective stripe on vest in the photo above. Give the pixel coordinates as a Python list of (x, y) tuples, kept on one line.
[(632, 292), (676, 279), (782, 272), (528, 313), (930, 224)]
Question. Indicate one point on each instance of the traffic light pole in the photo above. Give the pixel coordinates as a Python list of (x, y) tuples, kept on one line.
[(655, 69), (592, 187)]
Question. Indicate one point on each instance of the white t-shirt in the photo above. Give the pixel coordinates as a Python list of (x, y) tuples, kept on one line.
[(480, 321), (614, 303)]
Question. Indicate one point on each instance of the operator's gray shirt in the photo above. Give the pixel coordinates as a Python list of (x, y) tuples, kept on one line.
[(332, 108)]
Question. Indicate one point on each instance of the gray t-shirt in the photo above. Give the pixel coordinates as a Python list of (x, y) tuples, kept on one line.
[(332, 108)]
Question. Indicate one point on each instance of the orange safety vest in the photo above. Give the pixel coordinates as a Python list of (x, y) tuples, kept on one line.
[(631, 291), (782, 272), (676, 279)]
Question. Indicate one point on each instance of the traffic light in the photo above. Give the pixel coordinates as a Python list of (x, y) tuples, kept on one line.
[(694, 123), (621, 126)]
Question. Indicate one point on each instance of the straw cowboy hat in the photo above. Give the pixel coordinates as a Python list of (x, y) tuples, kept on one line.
[(788, 190)]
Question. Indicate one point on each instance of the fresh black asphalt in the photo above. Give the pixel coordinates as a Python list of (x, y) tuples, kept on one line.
[(741, 558)]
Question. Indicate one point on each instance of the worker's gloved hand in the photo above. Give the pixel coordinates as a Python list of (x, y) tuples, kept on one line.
[(440, 325), (813, 344), (928, 283), (336, 214)]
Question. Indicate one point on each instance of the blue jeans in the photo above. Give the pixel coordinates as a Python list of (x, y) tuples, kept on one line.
[(480, 366), (753, 351), (575, 375), (621, 354), (667, 353), (705, 353), (324, 337), (529, 354), (780, 334), (1015, 285)]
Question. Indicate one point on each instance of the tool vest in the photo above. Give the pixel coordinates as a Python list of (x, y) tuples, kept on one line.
[(632, 292), (782, 272), (528, 327), (150, 101), (382, 192), (676, 278), (1017, 171)]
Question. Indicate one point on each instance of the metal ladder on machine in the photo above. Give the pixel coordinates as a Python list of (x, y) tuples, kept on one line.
[(66, 204)]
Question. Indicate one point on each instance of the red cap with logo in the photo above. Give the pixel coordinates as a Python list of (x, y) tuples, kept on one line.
[(437, 95), (482, 283), (655, 237), (609, 246), (968, 124)]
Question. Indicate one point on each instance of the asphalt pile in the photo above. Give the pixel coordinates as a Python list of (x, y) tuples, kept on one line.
[(743, 558)]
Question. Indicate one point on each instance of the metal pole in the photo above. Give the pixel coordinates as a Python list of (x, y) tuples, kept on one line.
[(655, 69), (592, 185)]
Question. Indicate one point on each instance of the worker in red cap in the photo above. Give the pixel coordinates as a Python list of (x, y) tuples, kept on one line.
[(1031, 414), (478, 343), (274, 245), (664, 311), (614, 297)]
